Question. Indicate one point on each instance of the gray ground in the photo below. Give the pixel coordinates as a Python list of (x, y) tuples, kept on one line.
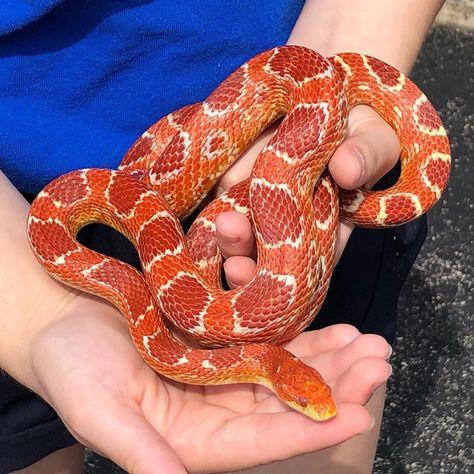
[(428, 425)]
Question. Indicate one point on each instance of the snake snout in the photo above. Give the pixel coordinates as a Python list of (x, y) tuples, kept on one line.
[(303, 389)]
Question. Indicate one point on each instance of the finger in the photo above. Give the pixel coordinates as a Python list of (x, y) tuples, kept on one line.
[(359, 382), (268, 437), (329, 339), (234, 235), (370, 150), (239, 271), (332, 364), (121, 433), (344, 231)]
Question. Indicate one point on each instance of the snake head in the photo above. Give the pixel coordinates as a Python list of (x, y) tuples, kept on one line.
[(303, 389)]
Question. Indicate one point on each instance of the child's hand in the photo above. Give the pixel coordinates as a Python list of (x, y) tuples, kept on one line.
[(370, 150), (87, 368)]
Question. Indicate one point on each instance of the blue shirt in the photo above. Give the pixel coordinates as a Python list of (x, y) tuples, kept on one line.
[(81, 80)]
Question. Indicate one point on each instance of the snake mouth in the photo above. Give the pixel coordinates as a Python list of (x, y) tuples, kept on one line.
[(316, 413)]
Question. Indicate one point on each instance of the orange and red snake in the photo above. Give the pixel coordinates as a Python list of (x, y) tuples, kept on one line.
[(294, 207)]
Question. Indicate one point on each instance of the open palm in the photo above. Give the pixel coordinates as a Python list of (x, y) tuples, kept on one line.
[(114, 403)]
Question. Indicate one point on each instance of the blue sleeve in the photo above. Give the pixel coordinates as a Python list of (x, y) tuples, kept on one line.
[(79, 84), (16, 14)]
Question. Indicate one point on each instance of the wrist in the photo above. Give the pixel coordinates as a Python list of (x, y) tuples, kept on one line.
[(29, 298), (390, 31)]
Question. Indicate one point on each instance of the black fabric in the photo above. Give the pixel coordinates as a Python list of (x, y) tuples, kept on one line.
[(367, 281), (364, 292), (29, 427)]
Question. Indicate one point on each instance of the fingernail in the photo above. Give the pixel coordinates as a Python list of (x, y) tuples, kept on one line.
[(232, 284), (360, 163), (379, 384), (231, 239), (390, 352), (371, 425), (374, 388)]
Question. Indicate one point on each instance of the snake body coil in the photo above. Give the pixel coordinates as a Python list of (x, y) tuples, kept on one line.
[(292, 202)]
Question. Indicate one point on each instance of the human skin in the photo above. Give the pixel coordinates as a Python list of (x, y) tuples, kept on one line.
[(74, 350)]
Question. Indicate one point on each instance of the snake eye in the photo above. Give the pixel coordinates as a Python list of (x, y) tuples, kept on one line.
[(302, 401)]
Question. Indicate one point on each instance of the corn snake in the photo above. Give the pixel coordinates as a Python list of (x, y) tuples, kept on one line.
[(174, 165)]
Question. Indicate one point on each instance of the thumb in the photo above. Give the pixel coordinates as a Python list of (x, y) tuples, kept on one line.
[(370, 150)]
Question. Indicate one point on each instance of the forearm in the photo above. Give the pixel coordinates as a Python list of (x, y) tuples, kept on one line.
[(389, 30), (29, 298)]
